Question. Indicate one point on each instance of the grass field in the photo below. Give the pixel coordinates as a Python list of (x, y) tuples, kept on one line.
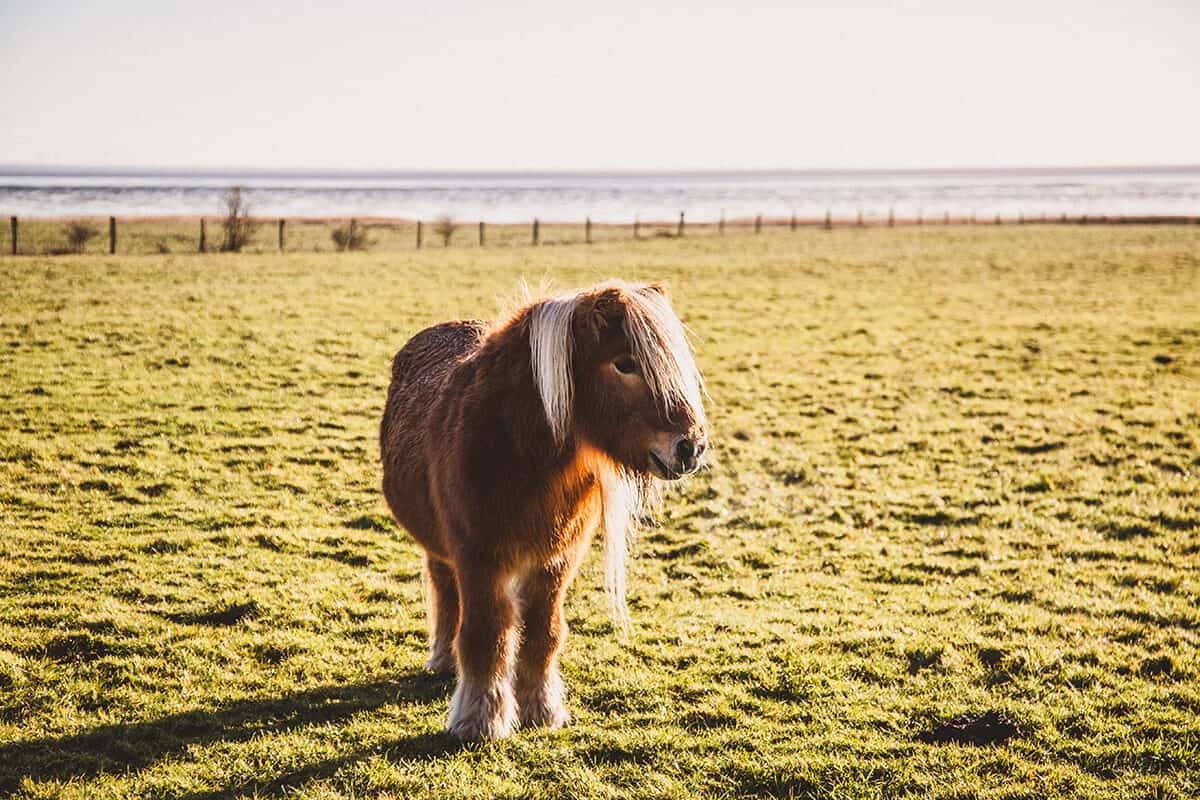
[(957, 483)]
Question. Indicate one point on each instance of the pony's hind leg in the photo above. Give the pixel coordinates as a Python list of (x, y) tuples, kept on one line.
[(441, 590), (539, 686), (483, 706)]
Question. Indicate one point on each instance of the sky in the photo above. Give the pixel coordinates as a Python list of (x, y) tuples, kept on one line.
[(614, 85)]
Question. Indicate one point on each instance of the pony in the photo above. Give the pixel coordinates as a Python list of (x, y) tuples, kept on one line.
[(505, 447)]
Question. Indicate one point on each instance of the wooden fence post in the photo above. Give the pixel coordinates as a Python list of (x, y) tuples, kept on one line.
[(721, 224), (282, 236), (418, 234), (828, 220), (203, 237), (112, 236), (13, 222), (637, 224), (793, 222), (482, 235), (353, 228), (679, 230), (587, 230), (891, 217), (920, 217), (997, 219), (536, 235), (860, 218), (758, 224)]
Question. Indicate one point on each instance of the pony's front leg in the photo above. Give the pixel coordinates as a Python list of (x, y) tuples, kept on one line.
[(540, 693), (483, 706)]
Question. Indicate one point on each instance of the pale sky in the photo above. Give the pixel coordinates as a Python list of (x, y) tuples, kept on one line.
[(448, 85)]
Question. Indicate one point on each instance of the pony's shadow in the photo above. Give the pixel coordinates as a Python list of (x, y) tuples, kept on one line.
[(124, 748)]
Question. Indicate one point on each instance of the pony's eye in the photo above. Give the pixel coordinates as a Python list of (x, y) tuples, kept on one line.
[(625, 365)]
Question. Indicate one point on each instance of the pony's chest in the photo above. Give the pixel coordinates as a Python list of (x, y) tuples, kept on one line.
[(569, 508)]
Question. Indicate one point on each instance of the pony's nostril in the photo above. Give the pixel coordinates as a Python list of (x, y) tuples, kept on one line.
[(685, 449), (701, 447)]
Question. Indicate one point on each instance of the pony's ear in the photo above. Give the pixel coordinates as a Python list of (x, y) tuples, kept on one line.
[(658, 287), (596, 312)]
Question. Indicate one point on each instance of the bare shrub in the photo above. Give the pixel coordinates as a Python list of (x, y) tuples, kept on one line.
[(445, 226), (350, 237), (78, 235), (239, 227)]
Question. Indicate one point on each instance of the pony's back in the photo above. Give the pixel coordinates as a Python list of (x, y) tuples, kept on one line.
[(424, 361), (419, 372)]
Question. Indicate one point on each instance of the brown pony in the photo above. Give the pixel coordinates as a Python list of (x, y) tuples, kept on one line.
[(504, 448)]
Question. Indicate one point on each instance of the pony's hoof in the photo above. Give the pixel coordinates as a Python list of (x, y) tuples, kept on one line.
[(544, 716), (441, 664), (478, 714), (543, 706)]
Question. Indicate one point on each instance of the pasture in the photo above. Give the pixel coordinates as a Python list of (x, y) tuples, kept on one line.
[(955, 501)]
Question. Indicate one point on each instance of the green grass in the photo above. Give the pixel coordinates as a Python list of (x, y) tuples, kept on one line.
[(957, 475)]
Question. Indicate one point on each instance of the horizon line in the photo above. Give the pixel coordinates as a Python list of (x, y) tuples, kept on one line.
[(66, 170)]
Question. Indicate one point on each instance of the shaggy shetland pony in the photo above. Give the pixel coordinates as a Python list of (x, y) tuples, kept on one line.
[(505, 447)]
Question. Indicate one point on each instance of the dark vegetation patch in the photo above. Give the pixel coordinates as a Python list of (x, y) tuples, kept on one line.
[(978, 730), (346, 556), (223, 615), (1123, 532), (939, 517), (98, 486), (368, 522), (1159, 667), (1178, 523), (76, 647), (919, 658), (162, 546), (618, 754), (272, 654), (1041, 447)]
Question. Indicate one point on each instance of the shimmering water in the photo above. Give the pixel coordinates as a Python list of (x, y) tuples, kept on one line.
[(609, 197)]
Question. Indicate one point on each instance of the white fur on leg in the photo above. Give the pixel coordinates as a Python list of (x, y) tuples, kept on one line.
[(482, 709), (542, 705)]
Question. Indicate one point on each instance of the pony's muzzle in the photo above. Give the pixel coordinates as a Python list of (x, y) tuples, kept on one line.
[(683, 458)]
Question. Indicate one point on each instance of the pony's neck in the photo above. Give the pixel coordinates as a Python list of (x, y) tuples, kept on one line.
[(507, 362)]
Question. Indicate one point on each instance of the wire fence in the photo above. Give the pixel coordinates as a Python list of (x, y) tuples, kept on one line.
[(147, 235)]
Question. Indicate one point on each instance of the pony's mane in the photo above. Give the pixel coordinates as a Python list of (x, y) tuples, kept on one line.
[(658, 342), (656, 339)]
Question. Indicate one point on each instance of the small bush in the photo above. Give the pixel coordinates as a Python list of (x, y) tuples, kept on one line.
[(78, 235), (239, 227), (350, 237), (445, 226)]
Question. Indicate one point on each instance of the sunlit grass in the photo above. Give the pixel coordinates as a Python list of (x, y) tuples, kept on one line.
[(956, 474)]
